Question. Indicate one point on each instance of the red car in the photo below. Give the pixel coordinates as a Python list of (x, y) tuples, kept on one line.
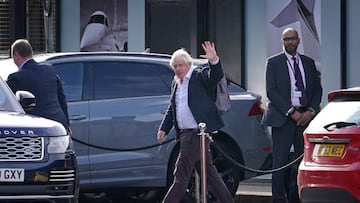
[(330, 169)]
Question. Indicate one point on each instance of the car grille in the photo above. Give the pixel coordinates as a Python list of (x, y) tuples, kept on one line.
[(64, 175), (21, 148)]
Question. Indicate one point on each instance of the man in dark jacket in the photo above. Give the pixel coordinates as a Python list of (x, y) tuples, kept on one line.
[(190, 105), (294, 90), (41, 80)]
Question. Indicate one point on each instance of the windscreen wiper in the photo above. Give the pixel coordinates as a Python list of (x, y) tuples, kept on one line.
[(338, 124)]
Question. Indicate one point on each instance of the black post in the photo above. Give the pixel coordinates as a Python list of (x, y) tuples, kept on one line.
[(343, 42), (17, 20)]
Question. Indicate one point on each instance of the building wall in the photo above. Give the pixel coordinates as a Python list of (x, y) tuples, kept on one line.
[(136, 25), (255, 46), (255, 40), (70, 25), (353, 43), (330, 47)]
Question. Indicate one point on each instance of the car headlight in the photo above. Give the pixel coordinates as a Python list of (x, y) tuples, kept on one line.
[(58, 144)]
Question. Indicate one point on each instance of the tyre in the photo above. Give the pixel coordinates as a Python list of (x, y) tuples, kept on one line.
[(100, 197), (230, 172)]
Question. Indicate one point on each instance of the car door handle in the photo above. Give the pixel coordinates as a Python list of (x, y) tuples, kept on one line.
[(77, 117)]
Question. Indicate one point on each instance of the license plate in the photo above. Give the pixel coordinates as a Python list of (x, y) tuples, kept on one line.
[(334, 150), (12, 175)]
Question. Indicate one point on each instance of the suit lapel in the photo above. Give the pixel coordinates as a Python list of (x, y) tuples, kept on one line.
[(285, 69), (173, 90)]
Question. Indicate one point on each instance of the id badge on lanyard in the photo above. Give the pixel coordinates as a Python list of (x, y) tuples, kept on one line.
[(297, 94)]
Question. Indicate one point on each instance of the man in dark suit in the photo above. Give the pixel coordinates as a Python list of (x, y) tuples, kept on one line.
[(41, 80), (294, 91), (190, 105)]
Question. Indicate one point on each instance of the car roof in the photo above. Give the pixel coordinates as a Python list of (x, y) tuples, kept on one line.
[(352, 93), (56, 55), (143, 56), (8, 65)]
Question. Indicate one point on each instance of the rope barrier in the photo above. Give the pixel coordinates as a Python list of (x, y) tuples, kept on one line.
[(122, 150), (213, 143), (256, 170)]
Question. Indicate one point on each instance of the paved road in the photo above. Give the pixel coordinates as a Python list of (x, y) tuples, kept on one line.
[(254, 190)]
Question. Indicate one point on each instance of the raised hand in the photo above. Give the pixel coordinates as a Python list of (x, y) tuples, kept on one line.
[(210, 51)]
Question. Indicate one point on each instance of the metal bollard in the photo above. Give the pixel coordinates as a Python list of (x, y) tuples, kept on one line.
[(202, 128)]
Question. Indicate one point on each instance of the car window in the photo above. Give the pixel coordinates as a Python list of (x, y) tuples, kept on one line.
[(125, 79), (344, 111), (7, 99), (71, 75)]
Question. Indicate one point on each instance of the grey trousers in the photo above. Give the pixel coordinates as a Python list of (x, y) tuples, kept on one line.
[(189, 155)]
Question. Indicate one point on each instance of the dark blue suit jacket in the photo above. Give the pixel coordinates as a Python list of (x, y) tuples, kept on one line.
[(201, 103), (43, 81), (278, 88)]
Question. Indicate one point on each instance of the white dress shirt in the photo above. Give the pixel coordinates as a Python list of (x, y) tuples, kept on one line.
[(290, 63), (184, 117)]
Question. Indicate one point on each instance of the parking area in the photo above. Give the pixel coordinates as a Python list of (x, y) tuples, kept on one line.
[(254, 190)]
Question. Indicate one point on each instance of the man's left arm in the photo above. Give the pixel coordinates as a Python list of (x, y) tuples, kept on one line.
[(214, 74), (12, 82), (316, 94)]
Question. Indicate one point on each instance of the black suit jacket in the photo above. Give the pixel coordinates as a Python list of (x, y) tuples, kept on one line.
[(278, 88), (43, 81), (200, 101)]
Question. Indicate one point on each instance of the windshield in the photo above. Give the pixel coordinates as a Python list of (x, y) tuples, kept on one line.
[(336, 112), (8, 101)]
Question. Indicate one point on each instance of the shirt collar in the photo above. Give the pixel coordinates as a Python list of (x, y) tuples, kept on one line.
[(289, 57), (20, 67)]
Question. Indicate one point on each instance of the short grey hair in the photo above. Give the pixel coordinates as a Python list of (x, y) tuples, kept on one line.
[(22, 47)]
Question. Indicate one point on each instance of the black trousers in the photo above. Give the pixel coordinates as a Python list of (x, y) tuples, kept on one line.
[(188, 157), (284, 184)]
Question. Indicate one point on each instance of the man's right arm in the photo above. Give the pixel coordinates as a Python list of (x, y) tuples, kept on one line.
[(273, 89), (167, 122), (12, 82)]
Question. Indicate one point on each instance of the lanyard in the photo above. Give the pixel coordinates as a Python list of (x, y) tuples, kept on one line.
[(292, 66)]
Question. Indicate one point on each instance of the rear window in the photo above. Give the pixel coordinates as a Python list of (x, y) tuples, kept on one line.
[(341, 111)]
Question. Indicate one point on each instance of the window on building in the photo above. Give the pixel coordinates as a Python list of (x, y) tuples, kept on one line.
[(4, 28), (31, 19)]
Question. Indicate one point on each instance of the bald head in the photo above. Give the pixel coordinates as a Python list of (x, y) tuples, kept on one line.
[(289, 31), (290, 40)]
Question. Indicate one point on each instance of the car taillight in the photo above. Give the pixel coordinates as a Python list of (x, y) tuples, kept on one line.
[(256, 109)]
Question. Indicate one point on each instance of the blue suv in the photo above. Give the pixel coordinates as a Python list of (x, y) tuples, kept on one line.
[(37, 159), (116, 102)]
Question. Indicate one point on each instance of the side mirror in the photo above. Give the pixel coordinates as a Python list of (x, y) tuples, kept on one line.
[(26, 99)]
